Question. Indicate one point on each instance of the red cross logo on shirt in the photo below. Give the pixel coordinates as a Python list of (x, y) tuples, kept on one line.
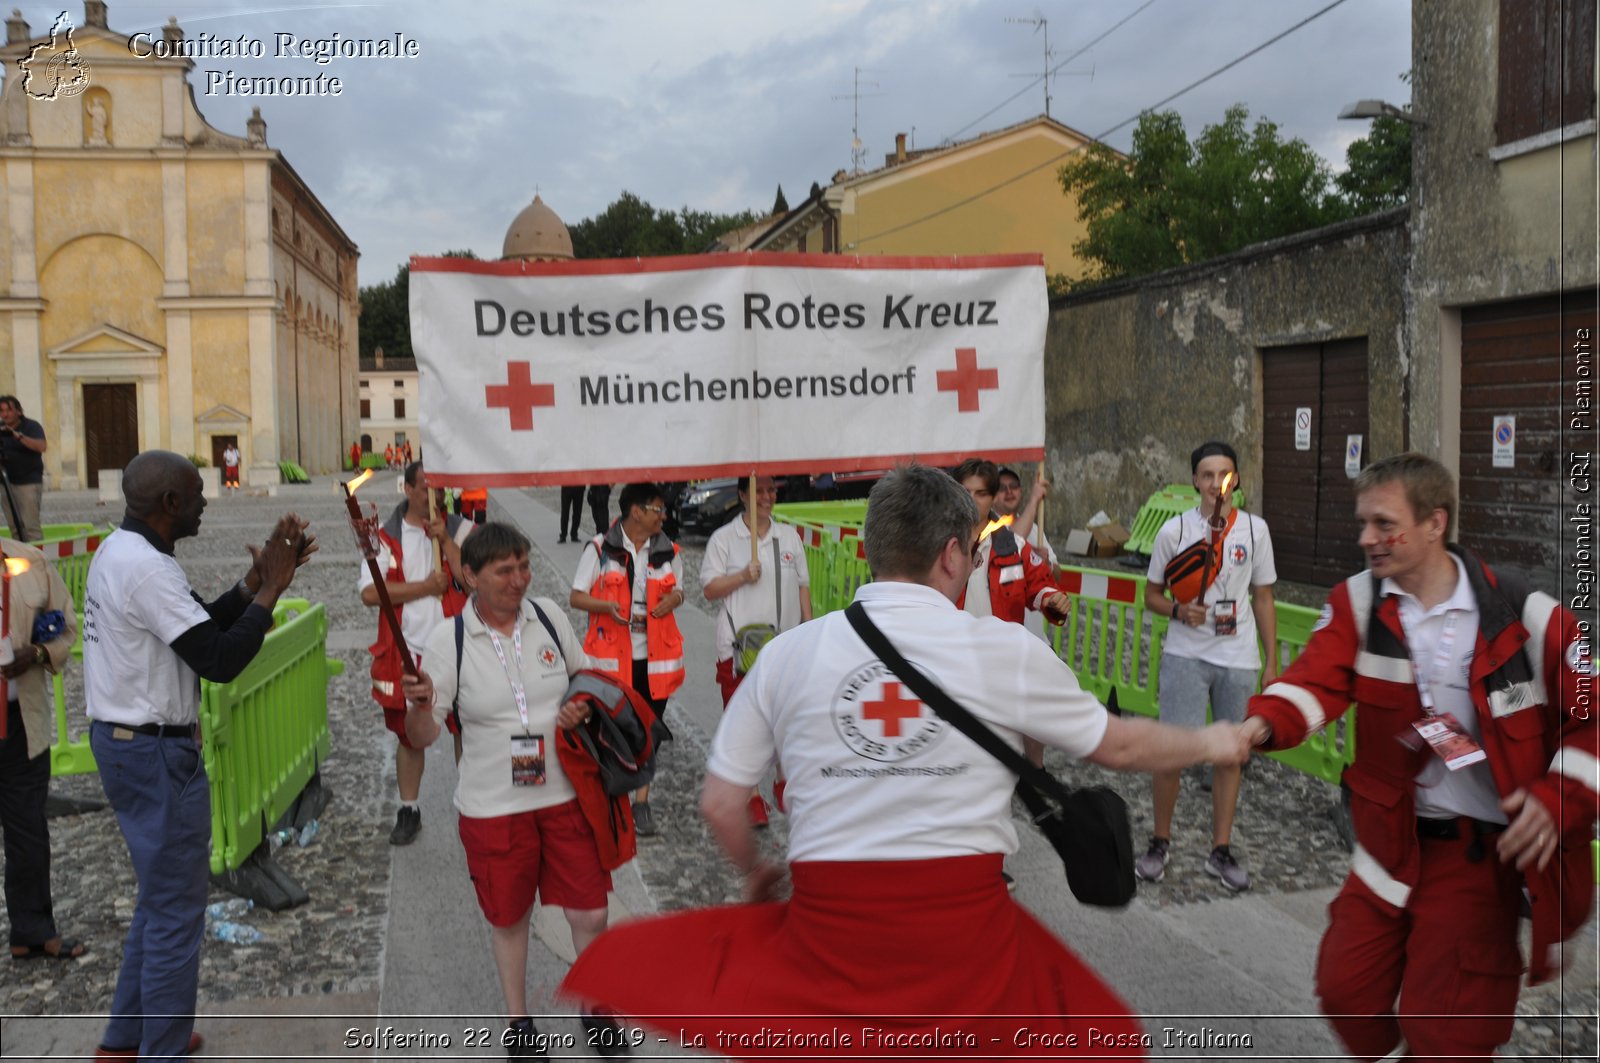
[(519, 395), (547, 657), (891, 710), (966, 379)]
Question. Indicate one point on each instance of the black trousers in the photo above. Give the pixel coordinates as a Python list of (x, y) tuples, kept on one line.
[(600, 507), (24, 785), (571, 510)]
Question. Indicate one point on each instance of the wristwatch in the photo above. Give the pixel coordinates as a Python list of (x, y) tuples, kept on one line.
[(40, 654)]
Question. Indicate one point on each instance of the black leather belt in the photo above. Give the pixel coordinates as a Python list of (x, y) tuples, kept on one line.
[(1451, 830), (155, 730)]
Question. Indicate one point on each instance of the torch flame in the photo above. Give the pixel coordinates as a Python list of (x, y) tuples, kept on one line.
[(16, 566), (366, 474), (1227, 483), (994, 526)]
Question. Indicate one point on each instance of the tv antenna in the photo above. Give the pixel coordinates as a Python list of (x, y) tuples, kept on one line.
[(1041, 25), (858, 151)]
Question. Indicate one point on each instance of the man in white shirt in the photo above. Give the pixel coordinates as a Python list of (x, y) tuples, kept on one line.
[(148, 640), (1209, 655), (770, 590), (423, 594), (898, 822)]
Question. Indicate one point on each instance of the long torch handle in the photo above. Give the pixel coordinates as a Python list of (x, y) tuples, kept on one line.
[(385, 604), (755, 539)]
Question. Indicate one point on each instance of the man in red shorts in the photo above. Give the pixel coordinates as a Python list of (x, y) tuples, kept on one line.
[(423, 595)]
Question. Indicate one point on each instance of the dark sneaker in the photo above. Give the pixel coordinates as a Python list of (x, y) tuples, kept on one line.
[(406, 824), (606, 1036), (644, 821), (523, 1040), (1011, 883), (1222, 865), (1152, 866)]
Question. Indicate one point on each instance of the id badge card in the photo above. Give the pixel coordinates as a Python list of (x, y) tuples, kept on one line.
[(1447, 738), (527, 760), (1227, 617)]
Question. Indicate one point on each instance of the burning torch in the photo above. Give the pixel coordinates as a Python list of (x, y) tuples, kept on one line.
[(14, 566), (365, 528), (1215, 526)]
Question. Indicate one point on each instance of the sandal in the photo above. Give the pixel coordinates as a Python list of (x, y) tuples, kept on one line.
[(66, 949)]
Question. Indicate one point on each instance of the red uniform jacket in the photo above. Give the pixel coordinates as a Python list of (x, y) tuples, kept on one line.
[(1532, 681)]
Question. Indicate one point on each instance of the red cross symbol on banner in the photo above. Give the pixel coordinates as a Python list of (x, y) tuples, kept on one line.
[(966, 379), (519, 395), (891, 710)]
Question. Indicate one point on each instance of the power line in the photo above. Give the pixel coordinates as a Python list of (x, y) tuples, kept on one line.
[(1101, 136), (1053, 70)]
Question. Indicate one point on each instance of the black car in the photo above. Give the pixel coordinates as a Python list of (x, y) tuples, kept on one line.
[(708, 505)]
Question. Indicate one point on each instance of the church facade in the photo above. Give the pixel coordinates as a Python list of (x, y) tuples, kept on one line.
[(163, 284)]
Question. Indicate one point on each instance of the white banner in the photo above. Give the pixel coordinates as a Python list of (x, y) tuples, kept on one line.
[(683, 368)]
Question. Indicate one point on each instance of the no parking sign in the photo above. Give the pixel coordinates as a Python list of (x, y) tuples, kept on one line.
[(1505, 441)]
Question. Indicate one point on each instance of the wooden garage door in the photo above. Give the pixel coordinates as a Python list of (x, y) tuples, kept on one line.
[(1519, 359), (1306, 497)]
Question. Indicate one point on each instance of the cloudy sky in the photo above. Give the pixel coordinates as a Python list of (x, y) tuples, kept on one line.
[(715, 103)]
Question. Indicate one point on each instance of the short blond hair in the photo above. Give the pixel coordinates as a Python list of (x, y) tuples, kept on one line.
[(1428, 485)]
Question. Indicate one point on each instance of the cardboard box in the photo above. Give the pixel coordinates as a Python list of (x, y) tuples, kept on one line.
[(1079, 542), (1107, 540)]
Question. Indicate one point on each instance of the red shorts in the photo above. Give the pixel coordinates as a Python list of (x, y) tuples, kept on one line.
[(550, 852), (395, 721), (727, 680)]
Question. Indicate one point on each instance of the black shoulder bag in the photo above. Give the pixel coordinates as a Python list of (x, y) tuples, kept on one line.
[(1087, 826)]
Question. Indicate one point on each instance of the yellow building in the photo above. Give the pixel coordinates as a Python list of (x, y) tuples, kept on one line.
[(994, 194), (163, 284)]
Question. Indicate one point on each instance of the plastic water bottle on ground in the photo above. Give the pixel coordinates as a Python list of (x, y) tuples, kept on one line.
[(278, 839), (231, 908), (307, 833), (236, 933)]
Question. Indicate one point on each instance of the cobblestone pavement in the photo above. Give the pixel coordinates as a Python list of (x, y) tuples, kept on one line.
[(1284, 835)]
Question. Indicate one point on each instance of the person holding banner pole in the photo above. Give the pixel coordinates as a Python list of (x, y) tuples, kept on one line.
[(757, 569), (629, 581)]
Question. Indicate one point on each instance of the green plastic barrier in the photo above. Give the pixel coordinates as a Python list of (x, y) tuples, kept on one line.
[(267, 731), (1161, 507), (849, 511), (292, 473)]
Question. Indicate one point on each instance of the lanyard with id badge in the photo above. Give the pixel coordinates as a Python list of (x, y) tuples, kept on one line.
[(1442, 731), (527, 749)]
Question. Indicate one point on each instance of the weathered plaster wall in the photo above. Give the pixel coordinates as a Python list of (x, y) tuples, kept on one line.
[(1138, 374)]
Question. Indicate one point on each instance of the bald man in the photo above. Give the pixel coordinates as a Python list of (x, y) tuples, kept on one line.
[(147, 641)]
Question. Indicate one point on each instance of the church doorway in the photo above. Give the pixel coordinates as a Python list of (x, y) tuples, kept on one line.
[(111, 427)]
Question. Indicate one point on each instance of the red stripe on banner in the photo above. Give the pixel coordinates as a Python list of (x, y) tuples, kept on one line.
[(861, 549), (1069, 582), (1120, 590), (94, 543), (659, 473), (601, 267)]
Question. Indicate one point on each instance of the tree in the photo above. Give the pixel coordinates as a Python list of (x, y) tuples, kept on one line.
[(631, 228), (780, 205), (1168, 202), (1378, 168), (386, 313)]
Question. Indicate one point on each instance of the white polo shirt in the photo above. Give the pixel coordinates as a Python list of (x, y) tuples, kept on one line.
[(728, 551), (418, 618), (489, 716), (872, 773), (135, 605), (1450, 627), (1247, 562)]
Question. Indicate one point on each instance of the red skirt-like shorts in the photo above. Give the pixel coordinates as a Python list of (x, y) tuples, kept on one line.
[(868, 959)]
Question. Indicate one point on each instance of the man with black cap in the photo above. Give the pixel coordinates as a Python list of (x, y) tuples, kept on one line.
[(1210, 559)]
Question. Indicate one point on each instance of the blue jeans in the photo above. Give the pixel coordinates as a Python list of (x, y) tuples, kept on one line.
[(158, 788)]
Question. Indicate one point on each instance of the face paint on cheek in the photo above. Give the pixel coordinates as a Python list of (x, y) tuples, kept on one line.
[(1395, 540)]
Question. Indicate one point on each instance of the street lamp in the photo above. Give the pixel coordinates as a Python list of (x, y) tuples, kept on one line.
[(1381, 109)]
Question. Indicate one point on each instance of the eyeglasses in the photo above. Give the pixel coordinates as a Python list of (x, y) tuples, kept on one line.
[(654, 509)]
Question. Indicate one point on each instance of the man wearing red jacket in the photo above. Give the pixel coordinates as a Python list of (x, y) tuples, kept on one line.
[(1475, 777)]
